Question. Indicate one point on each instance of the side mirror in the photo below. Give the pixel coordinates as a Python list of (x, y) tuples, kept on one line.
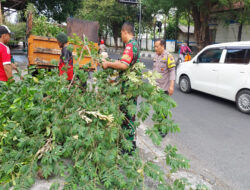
[(195, 61)]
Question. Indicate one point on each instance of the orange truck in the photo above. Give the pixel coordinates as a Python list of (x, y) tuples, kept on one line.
[(42, 50)]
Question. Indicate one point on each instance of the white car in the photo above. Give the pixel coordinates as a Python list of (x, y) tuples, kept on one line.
[(222, 70)]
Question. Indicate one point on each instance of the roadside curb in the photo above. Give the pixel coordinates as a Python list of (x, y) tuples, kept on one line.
[(144, 54)]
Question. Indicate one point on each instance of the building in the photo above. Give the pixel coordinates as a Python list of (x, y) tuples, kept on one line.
[(183, 35), (224, 25)]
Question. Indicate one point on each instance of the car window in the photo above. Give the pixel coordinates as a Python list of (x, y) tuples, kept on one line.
[(239, 56), (210, 56)]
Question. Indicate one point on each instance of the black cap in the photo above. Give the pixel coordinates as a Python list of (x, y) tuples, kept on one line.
[(62, 37), (4, 30)]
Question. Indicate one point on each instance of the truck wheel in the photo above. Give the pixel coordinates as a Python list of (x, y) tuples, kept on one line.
[(184, 84), (243, 101)]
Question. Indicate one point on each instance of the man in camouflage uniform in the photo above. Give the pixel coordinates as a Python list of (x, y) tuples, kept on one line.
[(131, 53), (130, 56)]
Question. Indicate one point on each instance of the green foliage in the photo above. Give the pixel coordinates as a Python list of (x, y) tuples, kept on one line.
[(201, 187), (170, 31), (109, 13), (184, 19), (42, 27), (55, 128), (174, 160), (19, 30), (30, 9), (58, 10)]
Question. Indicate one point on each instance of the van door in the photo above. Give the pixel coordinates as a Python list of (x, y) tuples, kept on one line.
[(204, 72), (234, 72)]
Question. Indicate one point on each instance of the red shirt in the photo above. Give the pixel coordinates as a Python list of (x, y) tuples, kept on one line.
[(5, 58), (66, 59)]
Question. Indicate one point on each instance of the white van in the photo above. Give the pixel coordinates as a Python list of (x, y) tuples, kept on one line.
[(222, 70)]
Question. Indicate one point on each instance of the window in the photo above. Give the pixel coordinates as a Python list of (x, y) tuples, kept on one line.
[(210, 56), (241, 56)]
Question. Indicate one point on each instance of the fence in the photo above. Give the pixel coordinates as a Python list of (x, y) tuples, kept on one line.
[(147, 44)]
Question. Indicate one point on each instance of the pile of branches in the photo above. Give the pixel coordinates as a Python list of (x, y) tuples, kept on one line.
[(73, 131)]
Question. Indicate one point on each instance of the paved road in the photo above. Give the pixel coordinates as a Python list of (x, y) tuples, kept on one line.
[(215, 136)]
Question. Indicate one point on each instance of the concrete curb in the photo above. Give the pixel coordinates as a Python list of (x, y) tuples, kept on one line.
[(144, 54)]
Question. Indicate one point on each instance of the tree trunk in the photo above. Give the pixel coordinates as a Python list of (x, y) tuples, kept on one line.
[(1, 16), (116, 41), (154, 23), (188, 37), (201, 28), (177, 16), (116, 29), (165, 28), (154, 31), (146, 40), (240, 31), (105, 37)]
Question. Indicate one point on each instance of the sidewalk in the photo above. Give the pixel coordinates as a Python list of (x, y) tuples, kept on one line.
[(18, 51)]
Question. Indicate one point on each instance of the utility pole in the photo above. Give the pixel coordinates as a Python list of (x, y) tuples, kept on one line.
[(140, 15), (1, 16), (188, 37), (140, 25)]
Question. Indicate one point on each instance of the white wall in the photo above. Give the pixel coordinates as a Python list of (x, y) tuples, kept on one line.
[(183, 37), (229, 33), (226, 33), (246, 33), (111, 42)]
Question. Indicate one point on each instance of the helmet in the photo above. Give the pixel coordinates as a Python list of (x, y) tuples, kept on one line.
[(102, 41)]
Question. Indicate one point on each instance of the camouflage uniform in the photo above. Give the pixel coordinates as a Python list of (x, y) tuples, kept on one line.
[(130, 56)]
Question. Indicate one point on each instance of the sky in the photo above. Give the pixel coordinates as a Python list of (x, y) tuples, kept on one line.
[(12, 17)]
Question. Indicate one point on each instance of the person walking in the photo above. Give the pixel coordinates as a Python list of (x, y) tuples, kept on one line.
[(5, 56)]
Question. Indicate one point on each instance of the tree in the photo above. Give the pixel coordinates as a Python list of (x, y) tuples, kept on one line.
[(19, 30), (151, 8), (243, 16), (200, 11), (59, 10), (109, 13)]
